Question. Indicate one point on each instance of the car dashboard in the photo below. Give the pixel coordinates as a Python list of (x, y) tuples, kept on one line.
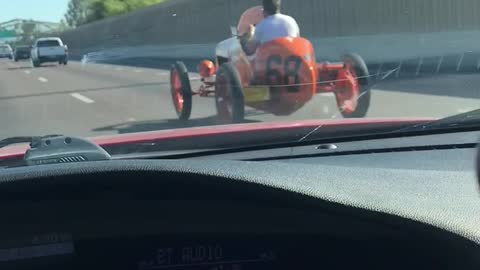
[(195, 238), (330, 212)]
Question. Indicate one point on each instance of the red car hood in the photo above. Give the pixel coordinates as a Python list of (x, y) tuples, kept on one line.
[(17, 151)]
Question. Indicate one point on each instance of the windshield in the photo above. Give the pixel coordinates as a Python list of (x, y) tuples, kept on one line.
[(48, 43), (5, 48), (135, 66), (22, 49)]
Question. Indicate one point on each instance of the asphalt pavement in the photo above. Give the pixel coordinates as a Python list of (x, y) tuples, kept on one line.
[(98, 99)]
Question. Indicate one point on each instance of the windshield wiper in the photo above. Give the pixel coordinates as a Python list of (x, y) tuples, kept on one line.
[(469, 119), (24, 139)]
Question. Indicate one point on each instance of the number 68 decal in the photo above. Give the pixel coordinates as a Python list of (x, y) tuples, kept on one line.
[(291, 67)]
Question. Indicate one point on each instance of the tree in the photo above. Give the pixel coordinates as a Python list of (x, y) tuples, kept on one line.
[(63, 25), (28, 30), (107, 8), (138, 4), (84, 11), (77, 12)]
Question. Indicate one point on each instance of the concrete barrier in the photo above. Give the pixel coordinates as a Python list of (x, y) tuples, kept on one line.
[(427, 54), (374, 48), (190, 29)]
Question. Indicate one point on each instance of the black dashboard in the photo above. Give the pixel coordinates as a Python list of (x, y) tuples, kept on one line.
[(403, 211), (116, 234)]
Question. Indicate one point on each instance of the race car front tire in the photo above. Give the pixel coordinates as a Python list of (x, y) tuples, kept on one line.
[(229, 97), (182, 93), (364, 95)]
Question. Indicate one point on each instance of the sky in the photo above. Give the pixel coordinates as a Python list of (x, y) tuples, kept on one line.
[(40, 10)]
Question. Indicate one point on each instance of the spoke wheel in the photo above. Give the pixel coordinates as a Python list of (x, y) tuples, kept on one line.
[(348, 90), (229, 95), (181, 91), (353, 87)]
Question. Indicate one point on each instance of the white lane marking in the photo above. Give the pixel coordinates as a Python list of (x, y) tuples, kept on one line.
[(82, 98), (27, 71), (118, 69), (42, 79), (137, 71), (131, 119), (163, 73), (326, 94)]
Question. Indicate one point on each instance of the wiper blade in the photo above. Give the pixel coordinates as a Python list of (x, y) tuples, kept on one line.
[(24, 139), (463, 120)]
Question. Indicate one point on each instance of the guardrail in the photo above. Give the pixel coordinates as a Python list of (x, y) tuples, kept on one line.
[(157, 56), (468, 62)]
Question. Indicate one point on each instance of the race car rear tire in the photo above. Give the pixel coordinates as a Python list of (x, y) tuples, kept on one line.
[(364, 94), (181, 91), (229, 97)]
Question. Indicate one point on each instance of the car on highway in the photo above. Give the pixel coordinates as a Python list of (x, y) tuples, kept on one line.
[(21, 53), (280, 79), (6, 51), (50, 49)]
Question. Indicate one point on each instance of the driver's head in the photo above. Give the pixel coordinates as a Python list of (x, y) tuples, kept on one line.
[(271, 7)]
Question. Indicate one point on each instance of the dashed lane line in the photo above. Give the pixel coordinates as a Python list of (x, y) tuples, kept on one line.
[(82, 98)]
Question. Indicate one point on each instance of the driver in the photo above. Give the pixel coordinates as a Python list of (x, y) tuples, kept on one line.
[(274, 25)]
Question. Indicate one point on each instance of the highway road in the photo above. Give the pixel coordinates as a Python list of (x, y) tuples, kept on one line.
[(99, 99)]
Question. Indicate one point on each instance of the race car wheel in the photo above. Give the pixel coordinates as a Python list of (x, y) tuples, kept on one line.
[(229, 95), (353, 87), (181, 91)]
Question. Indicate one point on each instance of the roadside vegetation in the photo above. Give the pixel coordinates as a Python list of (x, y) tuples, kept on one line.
[(85, 11)]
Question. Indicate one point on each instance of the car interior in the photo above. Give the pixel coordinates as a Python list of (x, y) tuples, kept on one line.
[(386, 203)]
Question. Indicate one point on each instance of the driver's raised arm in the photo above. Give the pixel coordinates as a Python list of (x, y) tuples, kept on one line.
[(250, 41)]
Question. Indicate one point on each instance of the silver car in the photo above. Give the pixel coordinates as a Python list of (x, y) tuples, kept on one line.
[(6, 51)]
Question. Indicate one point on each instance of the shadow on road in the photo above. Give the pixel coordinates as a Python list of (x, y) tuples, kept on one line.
[(452, 85), (48, 65), (19, 68), (83, 90), (28, 66), (156, 125), (160, 63)]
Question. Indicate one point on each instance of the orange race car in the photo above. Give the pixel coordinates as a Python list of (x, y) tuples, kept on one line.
[(280, 79)]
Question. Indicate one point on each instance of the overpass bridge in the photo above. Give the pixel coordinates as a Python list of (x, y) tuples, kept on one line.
[(13, 30)]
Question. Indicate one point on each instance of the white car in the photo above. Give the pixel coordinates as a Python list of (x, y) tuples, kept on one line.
[(6, 51), (49, 49)]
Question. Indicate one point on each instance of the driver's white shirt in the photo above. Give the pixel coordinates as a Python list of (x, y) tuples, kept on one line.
[(276, 26)]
